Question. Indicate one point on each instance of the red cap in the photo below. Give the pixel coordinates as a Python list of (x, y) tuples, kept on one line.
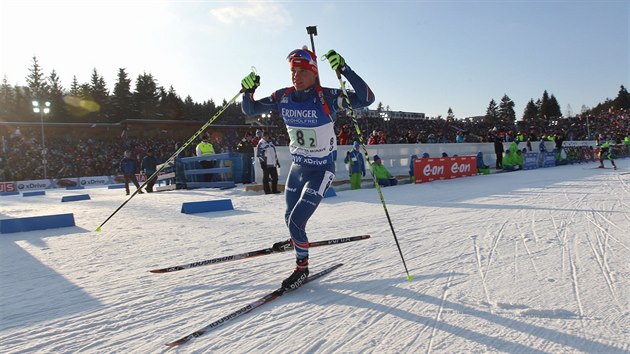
[(303, 58)]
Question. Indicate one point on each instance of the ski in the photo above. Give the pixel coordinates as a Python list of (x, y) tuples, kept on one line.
[(247, 308), (261, 252)]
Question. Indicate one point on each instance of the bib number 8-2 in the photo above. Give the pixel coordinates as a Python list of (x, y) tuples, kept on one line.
[(303, 137)]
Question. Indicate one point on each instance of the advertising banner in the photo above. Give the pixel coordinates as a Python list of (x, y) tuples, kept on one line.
[(530, 161), (550, 159), (35, 185), (8, 187), (66, 182), (431, 169), (94, 181)]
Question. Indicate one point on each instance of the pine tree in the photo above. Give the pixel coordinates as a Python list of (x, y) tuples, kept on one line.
[(146, 99), (622, 101), (531, 112), (507, 116), (122, 99), (171, 106), (7, 101), (57, 108), (492, 114), (100, 97), (449, 115), (36, 83)]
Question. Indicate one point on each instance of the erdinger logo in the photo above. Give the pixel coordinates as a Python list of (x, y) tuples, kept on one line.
[(299, 113)]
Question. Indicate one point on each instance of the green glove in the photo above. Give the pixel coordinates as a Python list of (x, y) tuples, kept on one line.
[(250, 82), (336, 61)]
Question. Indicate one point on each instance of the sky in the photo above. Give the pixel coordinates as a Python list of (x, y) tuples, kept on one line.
[(417, 56)]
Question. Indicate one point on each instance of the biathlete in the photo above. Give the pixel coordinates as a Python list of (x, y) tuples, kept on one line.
[(605, 151), (308, 111)]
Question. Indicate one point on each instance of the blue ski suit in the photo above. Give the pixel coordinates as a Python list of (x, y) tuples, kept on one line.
[(313, 144)]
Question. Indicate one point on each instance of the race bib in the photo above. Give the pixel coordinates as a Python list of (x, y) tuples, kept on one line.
[(302, 137)]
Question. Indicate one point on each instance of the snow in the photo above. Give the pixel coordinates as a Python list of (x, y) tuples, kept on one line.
[(524, 262)]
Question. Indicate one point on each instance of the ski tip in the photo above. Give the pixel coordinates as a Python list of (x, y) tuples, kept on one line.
[(409, 277), (157, 271), (98, 229)]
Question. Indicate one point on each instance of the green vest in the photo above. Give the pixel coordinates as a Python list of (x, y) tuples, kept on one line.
[(206, 148)]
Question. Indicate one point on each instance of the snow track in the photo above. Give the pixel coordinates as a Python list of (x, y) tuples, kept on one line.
[(523, 262)]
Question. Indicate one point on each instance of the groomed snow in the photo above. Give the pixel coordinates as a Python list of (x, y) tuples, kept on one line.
[(524, 262)]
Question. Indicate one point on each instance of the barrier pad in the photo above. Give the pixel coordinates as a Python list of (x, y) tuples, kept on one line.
[(33, 193), (69, 188), (36, 223), (74, 198), (330, 192), (207, 206), (3, 194), (115, 186)]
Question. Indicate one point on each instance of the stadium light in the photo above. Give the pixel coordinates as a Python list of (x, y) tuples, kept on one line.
[(42, 110), (266, 118)]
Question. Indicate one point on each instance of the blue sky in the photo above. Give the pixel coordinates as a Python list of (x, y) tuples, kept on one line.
[(418, 56)]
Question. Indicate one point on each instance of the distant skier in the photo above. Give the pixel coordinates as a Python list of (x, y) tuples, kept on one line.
[(308, 111), (605, 151)]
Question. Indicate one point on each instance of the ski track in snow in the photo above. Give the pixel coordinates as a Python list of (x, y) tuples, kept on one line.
[(524, 262)]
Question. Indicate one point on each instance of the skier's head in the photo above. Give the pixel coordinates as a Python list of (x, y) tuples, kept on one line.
[(127, 153), (303, 64), (376, 159), (356, 145)]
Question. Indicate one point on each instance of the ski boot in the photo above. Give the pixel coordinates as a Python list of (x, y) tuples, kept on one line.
[(299, 276), (282, 246)]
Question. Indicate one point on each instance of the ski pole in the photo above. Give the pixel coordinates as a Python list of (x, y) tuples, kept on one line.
[(367, 157), (172, 158)]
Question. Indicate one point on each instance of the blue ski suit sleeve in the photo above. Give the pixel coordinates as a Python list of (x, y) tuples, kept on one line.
[(361, 97)]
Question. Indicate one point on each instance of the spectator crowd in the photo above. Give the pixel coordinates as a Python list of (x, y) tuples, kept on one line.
[(69, 156)]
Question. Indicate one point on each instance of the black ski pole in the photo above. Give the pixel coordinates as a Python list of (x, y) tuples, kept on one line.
[(172, 158)]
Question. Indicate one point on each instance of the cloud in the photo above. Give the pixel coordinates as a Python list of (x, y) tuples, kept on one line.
[(268, 14)]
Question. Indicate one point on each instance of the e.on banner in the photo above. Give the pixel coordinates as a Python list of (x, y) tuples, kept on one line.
[(431, 169)]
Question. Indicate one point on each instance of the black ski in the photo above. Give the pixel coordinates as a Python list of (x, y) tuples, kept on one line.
[(247, 308), (261, 252)]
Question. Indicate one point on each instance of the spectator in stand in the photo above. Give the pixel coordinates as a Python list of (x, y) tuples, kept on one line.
[(149, 166), (343, 137), (459, 137), (266, 153), (257, 137), (129, 167), (356, 166), (382, 137), (373, 139), (383, 176), (410, 137)]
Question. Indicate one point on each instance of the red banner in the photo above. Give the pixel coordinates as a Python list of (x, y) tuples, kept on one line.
[(7, 187), (431, 169)]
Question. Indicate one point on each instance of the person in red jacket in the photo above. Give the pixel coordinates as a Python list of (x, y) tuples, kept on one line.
[(343, 138)]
